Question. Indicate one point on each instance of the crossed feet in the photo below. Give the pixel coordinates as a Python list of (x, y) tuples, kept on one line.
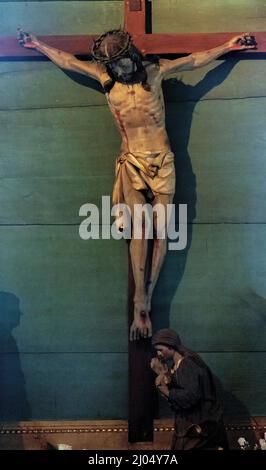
[(141, 326)]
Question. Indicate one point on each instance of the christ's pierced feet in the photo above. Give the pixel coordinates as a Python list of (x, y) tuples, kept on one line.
[(141, 326)]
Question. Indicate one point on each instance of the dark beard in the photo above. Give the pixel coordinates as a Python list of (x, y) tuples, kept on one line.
[(140, 76), (135, 77), (127, 79)]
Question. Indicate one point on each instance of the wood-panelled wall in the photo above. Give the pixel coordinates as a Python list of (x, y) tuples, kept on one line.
[(64, 349)]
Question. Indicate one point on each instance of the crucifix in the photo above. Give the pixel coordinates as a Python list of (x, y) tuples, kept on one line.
[(139, 170)]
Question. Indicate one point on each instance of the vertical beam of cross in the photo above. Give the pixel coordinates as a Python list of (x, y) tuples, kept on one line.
[(135, 16), (140, 409), (141, 382), (141, 388)]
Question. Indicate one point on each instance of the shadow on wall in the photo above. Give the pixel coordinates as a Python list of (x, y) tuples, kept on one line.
[(237, 418), (181, 100), (14, 405)]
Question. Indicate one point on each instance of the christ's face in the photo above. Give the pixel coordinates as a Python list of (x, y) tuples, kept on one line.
[(123, 69)]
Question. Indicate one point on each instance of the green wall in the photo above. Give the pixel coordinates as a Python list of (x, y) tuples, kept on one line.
[(67, 355)]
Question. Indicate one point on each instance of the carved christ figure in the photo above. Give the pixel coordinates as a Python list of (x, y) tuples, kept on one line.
[(145, 166)]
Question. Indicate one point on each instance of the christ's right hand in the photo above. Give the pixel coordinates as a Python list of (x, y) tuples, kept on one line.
[(26, 40)]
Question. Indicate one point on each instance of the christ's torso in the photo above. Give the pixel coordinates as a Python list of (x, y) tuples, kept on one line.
[(140, 114)]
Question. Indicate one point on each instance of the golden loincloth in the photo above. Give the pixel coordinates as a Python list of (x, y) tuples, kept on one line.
[(151, 171)]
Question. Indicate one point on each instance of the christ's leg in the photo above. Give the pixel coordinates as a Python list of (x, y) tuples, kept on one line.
[(159, 244), (141, 326)]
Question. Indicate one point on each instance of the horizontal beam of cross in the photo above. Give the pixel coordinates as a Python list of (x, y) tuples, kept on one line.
[(147, 43), (135, 19)]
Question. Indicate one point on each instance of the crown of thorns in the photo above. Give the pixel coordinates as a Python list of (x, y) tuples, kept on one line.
[(100, 50)]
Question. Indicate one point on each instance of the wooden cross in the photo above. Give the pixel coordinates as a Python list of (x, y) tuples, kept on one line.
[(135, 20), (141, 388)]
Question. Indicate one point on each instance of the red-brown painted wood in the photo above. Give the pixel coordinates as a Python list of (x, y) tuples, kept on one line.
[(135, 16), (194, 42), (142, 394), (147, 43), (77, 45)]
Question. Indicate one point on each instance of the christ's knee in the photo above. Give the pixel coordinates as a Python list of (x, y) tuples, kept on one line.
[(141, 227)]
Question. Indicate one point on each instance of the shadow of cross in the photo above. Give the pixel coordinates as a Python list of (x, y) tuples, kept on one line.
[(137, 21)]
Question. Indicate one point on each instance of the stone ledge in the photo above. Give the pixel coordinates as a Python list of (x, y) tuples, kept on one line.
[(107, 435)]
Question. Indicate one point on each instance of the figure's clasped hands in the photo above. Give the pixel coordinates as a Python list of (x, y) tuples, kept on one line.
[(242, 42), (158, 367), (163, 376)]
